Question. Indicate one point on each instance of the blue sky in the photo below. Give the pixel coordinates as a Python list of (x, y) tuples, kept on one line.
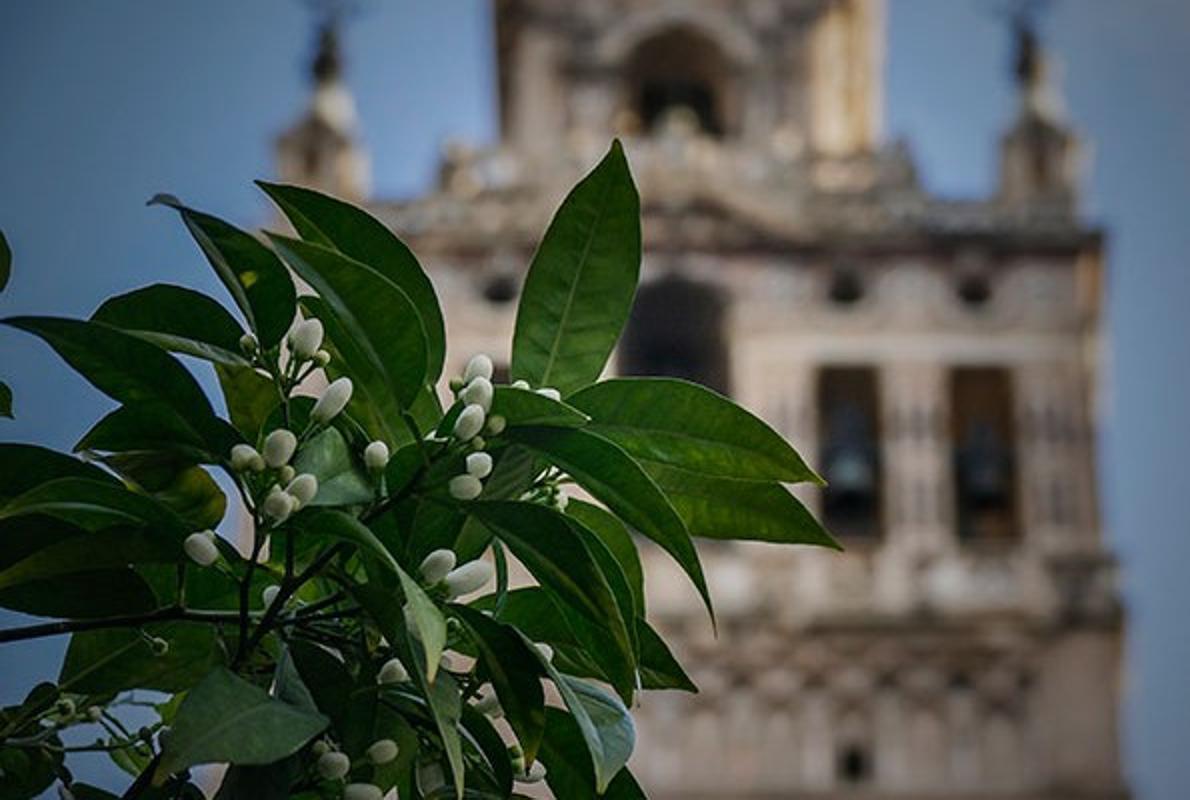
[(104, 104)]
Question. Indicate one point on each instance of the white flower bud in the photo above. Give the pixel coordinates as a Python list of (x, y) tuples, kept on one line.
[(436, 565), (561, 501), (393, 671), (470, 577), (456, 385), (244, 457), (94, 713), (159, 646), (302, 489), (278, 448), (322, 358), (278, 505), (479, 366), (546, 651), (535, 774), (286, 473), (320, 748), (305, 338), (489, 704), (201, 549), (465, 487), (248, 344), (470, 422), (269, 594), (521, 384), (362, 791), (496, 425), (517, 756), (479, 392), (479, 465), (376, 456), (333, 765), (382, 751), (552, 394), (334, 399)]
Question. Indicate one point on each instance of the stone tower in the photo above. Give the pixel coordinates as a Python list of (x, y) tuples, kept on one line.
[(935, 358)]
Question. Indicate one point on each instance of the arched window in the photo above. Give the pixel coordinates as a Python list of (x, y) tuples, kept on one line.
[(679, 70), (984, 452), (676, 329), (849, 436)]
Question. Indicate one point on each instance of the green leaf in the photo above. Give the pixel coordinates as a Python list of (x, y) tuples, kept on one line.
[(250, 398), (132, 371), (567, 771), (95, 505), (515, 673), (37, 549), (82, 595), (383, 330), (257, 281), (722, 508), (117, 659), (5, 400), (428, 620), (559, 559), (323, 220), (26, 772), (619, 541), (349, 702), (658, 667), (177, 319), (682, 424), (23, 466), (487, 741), (157, 428), (261, 781), (227, 719), (521, 407), (341, 481), (580, 285), (613, 477), (445, 703), (5, 261)]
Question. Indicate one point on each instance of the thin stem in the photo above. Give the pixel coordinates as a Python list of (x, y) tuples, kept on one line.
[(501, 577), (246, 594), (131, 620)]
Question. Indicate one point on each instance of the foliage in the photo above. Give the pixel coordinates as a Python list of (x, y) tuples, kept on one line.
[(356, 644)]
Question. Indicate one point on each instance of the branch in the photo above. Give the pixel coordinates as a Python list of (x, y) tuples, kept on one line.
[(127, 621)]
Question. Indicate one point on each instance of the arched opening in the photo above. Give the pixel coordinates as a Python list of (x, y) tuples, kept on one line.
[(679, 73), (676, 329)]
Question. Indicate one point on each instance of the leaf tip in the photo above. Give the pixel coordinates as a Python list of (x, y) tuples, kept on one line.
[(164, 199)]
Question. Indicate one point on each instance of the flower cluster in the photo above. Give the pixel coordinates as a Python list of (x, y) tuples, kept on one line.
[(475, 392)]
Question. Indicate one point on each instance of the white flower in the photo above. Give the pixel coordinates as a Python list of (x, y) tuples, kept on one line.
[(535, 774), (334, 399), (479, 366), (465, 487), (382, 751), (322, 358), (496, 425), (393, 671), (488, 704), (286, 473), (302, 489), (546, 651), (376, 456), (470, 577), (479, 465), (278, 448), (201, 549), (305, 338), (479, 392), (248, 344), (333, 765), (362, 791), (470, 422), (552, 394), (522, 384), (278, 505), (94, 713), (436, 565), (269, 594), (244, 457)]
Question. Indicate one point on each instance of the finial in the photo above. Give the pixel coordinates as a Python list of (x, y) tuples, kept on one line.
[(328, 64)]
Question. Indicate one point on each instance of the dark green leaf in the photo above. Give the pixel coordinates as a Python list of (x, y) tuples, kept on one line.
[(5, 400), (23, 466), (722, 508), (260, 782), (383, 333), (445, 703), (37, 549), (117, 659), (568, 774), (684, 425), (95, 505), (257, 281), (250, 398), (227, 719), (619, 541), (658, 668), (341, 481), (131, 371), (26, 772), (5, 261), (323, 220), (515, 673), (177, 319), (350, 703), (522, 407), (613, 477), (155, 427), (580, 285), (82, 595), (487, 741)]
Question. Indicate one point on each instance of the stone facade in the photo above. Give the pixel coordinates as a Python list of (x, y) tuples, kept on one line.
[(935, 358)]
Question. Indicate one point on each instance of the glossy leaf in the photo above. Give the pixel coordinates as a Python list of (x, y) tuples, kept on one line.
[(515, 673), (177, 319), (383, 330), (722, 508), (618, 540), (324, 220), (156, 427), (522, 407), (341, 480), (682, 424), (257, 281), (82, 595), (658, 667), (227, 719), (580, 285), (5, 262), (568, 773), (613, 477), (37, 549), (250, 398), (5, 400), (23, 466), (95, 505), (118, 659), (445, 703)]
